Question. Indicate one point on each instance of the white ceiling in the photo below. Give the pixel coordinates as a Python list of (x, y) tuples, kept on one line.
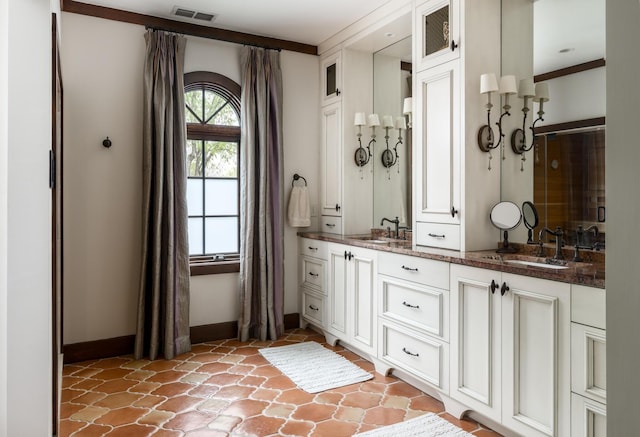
[(576, 25), (309, 22)]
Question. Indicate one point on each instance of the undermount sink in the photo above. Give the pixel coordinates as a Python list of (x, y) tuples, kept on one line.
[(536, 264), (376, 241)]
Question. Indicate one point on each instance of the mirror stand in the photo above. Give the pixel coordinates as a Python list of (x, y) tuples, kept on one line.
[(505, 244)]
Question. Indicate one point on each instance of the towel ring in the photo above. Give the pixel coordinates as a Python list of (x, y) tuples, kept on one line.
[(298, 177)]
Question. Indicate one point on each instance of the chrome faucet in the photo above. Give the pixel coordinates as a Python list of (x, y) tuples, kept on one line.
[(580, 243), (396, 222), (558, 233)]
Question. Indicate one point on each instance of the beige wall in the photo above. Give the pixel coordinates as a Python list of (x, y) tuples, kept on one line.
[(102, 69)]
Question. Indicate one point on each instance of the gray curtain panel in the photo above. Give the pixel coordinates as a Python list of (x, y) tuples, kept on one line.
[(163, 303), (261, 245)]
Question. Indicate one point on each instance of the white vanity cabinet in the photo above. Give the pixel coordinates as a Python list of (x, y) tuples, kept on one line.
[(413, 317), (510, 343), (588, 362), (312, 281), (455, 41), (351, 296), (346, 200)]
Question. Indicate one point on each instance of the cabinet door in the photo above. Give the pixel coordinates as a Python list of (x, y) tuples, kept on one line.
[(331, 162), (437, 27), (536, 356), (337, 290), (588, 418), (437, 145), (476, 339), (362, 282), (331, 78)]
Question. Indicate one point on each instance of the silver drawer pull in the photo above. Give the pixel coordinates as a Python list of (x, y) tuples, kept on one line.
[(331, 225), (411, 306), (312, 248), (313, 308), (315, 275), (410, 269), (404, 349), (436, 235)]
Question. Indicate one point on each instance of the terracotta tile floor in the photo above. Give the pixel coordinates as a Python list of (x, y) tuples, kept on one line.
[(226, 388)]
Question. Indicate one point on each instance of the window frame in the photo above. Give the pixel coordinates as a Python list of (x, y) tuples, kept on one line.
[(227, 88)]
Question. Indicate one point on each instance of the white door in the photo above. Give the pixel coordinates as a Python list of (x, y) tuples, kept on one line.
[(536, 355), (337, 290), (476, 339), (331, 162), (362, 266), (331, 70), (437, 145)]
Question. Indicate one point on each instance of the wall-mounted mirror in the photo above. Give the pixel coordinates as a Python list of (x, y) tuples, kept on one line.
[(548, 36), (392, 84), (390, 45)]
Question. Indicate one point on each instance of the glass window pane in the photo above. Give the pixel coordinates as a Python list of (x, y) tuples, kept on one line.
[(194, 158), (226, 117), (193, 110), (221, 197), (221, 235), (331, 79), (194, 196), (221, 159), (195, 236), (212, 102), (436, 31)]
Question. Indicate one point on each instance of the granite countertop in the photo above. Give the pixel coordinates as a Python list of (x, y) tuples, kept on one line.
[(590, 273)]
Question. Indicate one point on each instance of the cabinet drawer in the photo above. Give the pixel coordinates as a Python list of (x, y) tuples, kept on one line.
[(441, 235), (422, 356), (588, 306), (313, 308), (412, 268), (314, 248), (422, 307), (313, 273), (331, 224), (589, 362)]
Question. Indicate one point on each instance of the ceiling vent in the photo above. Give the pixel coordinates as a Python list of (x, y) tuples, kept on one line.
[(191, 14)]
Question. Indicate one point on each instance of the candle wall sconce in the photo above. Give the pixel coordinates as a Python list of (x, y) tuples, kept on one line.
[(361, 156), (488, 85), (518, 137)]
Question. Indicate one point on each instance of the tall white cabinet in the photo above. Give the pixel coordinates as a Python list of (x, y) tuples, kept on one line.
[(346, 193), (455, 41)]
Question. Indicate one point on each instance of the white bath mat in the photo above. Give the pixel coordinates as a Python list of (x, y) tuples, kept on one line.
[(313, 367), (429, 425)]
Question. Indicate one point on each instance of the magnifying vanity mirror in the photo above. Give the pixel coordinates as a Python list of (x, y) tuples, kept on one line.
[(530, 218), (505, 216)]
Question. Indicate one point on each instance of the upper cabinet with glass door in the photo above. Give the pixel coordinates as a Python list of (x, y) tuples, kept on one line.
[(332, 78), (437, 30)]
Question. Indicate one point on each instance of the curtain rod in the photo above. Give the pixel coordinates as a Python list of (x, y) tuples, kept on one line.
[(188, 34)]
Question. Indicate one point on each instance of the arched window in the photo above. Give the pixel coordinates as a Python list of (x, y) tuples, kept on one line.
[(212, 114)]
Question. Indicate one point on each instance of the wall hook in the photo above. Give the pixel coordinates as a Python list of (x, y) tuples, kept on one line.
[(106, 142)]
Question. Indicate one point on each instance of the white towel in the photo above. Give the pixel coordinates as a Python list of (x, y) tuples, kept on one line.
[(299, 211)]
